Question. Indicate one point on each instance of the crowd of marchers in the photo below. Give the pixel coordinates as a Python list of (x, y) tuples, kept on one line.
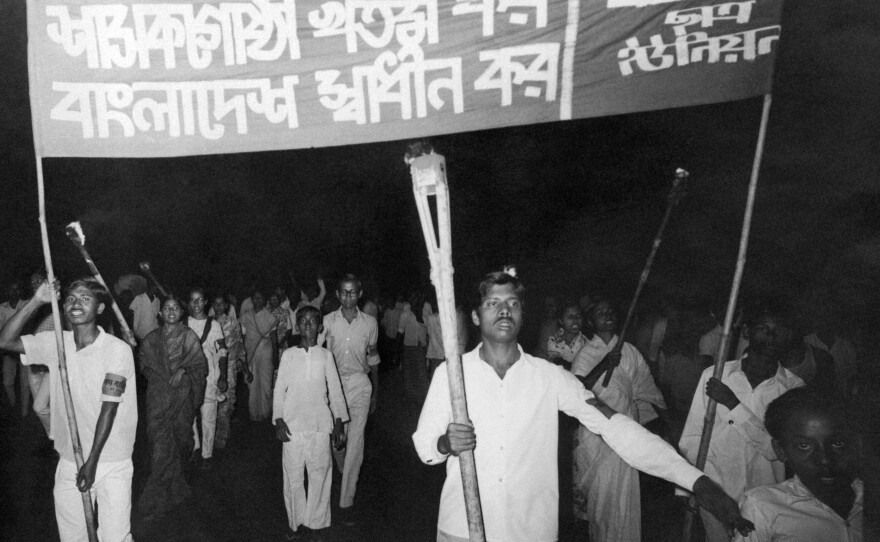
[(786, 457)]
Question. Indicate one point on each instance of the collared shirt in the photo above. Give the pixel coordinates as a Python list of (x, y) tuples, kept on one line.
[(308, 395), (516, 423), (214, 349), (788, 512), (87, 370), (353, 344), (740, 455), (145, 313)]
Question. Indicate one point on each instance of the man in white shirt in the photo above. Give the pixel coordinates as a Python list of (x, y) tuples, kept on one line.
[(210, 335), (100, 370), (146, 311), (513, 403), (351, 337), (740, 452)]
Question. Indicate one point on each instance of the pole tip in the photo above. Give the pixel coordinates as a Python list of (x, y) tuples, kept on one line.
[(74, 231)]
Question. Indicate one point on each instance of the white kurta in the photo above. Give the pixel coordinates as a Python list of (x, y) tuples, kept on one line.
[(516, 423), (606, 489)]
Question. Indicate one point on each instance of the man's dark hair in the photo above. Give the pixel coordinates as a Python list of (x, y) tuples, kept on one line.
[(98, 290), (800, 401), (500, 278), (350, 277), (307, 311)]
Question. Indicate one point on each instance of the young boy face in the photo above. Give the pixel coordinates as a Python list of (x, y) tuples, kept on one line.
[(308, 327), (81, 306), (819, 450)]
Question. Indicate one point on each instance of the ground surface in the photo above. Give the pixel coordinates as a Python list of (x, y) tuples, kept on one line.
[(240, 499)]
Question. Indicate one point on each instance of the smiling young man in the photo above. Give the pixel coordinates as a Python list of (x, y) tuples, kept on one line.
[(513, 401), (100, 369)]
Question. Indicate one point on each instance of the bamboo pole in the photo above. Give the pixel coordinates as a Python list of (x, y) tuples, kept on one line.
[(75, 233), (429, 179), (721, 354), (62, 360), (674, 197), (145, 267)]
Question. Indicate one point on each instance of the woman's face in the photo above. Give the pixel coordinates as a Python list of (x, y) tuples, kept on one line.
[(572, 320), (259, 301), (171, 311)]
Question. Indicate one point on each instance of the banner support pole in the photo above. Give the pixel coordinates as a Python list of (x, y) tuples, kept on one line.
[(88, 510), (721, 354)]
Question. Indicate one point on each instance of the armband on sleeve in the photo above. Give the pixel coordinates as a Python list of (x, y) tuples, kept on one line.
[(113, 388)]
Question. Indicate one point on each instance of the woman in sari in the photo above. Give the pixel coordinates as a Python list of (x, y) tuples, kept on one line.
[(176, 369), (261, 344)]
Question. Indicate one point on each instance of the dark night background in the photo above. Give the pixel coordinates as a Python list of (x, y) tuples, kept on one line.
[(575, 205)]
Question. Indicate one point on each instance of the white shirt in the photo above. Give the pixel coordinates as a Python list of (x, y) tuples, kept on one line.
[(788, 512), (213, 352), (145, 313), (516, 423), (435, 336), (87, 370), (308, 395), (414, 333), (353, 344), (740, 454)]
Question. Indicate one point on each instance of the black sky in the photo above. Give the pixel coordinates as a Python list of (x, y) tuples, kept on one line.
[(574, 204)]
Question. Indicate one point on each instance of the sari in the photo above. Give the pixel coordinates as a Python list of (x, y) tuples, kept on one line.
[(257, 328), (170, 412)]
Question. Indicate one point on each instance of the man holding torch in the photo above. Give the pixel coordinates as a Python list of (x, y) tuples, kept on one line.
[(100, 370)]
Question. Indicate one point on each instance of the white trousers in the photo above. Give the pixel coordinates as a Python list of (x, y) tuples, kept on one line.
[(111, 490), (312, 451), (357, 389), (209, 429)]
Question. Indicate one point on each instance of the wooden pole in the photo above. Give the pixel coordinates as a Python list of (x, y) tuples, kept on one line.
[(62, 360), (429, 179), (145, 267), (721, 354), (74, 232), (674, 197)]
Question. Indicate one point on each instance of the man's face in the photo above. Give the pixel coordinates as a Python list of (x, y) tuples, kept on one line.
[(499, 315), (81, 306), (309, 327), (197, 304), (767, 337), (348, 294), (171, 311), (603, 318), (818, 450), (219, 306), (571, 320)]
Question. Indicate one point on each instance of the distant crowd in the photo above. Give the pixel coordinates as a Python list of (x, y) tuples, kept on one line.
[(791, 453)]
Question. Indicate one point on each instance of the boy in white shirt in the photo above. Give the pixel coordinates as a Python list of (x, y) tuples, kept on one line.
[(308, 404), (823, 501)]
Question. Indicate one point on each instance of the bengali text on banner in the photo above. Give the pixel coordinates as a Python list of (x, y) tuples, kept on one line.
[(169, 78)]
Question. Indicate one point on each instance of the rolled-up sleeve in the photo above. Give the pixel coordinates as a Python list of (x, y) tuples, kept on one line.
[(434, 419), (40, 349), (119, 373)]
